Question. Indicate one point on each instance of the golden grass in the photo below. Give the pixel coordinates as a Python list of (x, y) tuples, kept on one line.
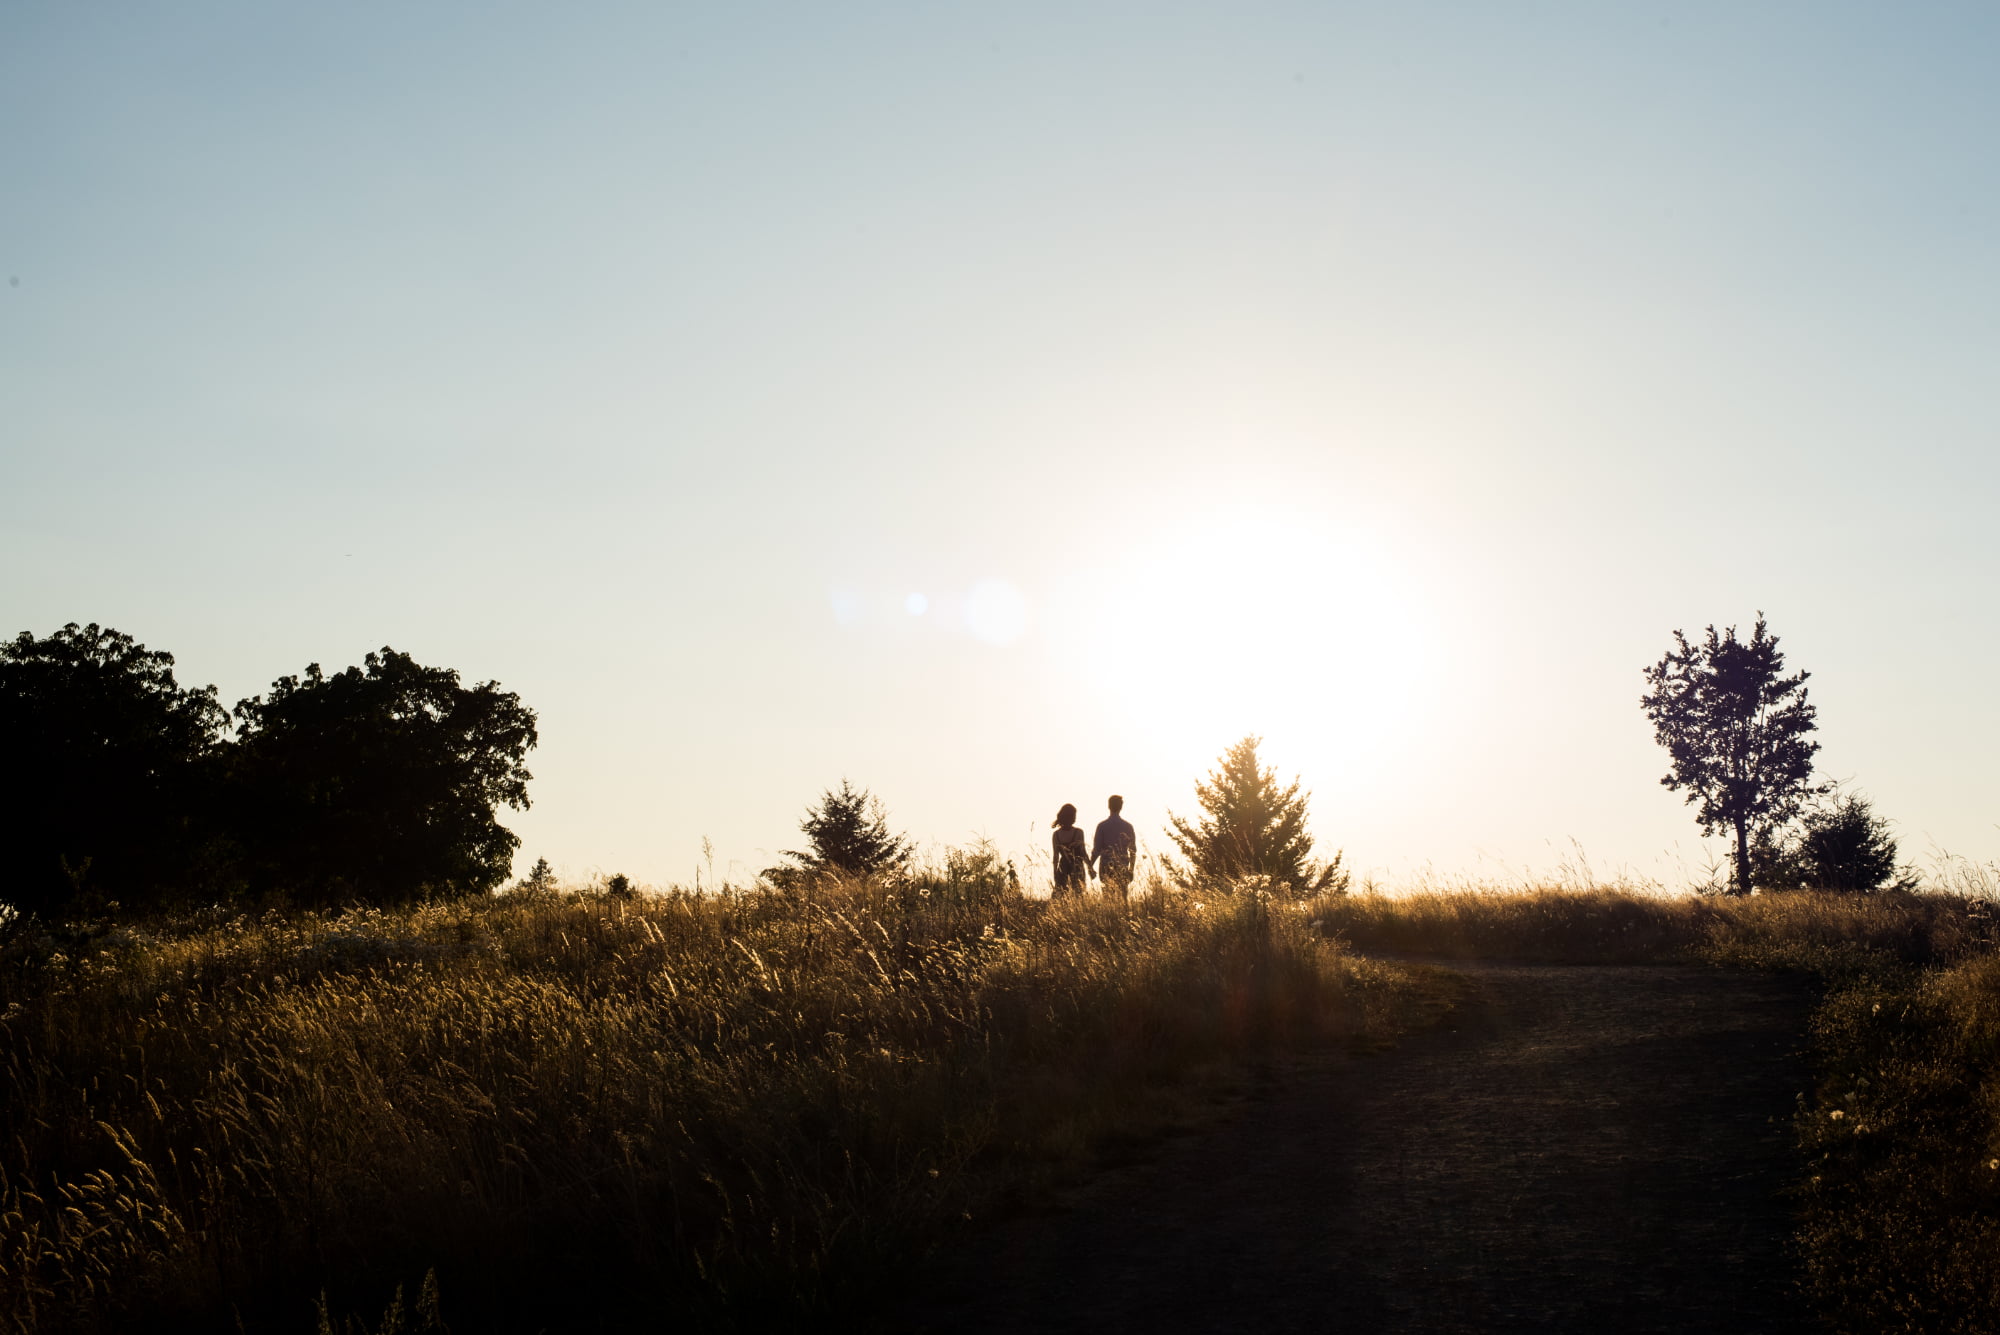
[(574, 1110), (1901, 1204), (1555, 926), (1797, 929), (740, 1111)]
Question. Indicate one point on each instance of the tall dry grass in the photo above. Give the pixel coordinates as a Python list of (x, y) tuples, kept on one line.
[(577, 1110), (1550, 925), (1798, 929), (1901, 1202)]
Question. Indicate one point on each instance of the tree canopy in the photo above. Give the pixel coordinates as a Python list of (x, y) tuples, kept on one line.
[(103, 791), (1252, 827), (848, 833), (380, 782), (1736, 730), (377, 783)]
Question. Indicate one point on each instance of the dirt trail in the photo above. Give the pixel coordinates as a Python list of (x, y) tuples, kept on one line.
[(1594, 1148)]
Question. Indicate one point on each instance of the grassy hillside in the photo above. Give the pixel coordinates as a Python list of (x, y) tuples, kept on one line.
[(1898, 1203), (578, 1110)]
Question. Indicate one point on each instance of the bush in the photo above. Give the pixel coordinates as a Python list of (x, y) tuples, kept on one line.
[(1840, 845)]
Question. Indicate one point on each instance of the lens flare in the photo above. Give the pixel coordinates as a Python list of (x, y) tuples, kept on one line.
[(996, 612)]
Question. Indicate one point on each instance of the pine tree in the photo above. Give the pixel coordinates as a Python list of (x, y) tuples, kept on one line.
[(1840, 844), (849, 834), (1253, 828)]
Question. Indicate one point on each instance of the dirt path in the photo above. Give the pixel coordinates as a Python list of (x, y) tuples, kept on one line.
[(1579, 1149)]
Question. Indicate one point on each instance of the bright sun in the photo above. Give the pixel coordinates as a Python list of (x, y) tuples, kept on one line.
[(1273, 627)]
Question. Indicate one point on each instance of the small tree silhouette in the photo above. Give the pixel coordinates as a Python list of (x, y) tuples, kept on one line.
[(1839, 845), (1735, 730), (849, 834), (1253, 828)]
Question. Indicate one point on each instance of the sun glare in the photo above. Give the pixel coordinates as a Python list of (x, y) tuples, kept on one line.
[(1274, 627)]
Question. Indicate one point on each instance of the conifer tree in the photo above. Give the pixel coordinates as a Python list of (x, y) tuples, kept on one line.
[(849, 834), (1252, 827), (1840, 844)]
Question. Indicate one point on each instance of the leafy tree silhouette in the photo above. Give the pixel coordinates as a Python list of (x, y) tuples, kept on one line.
[(1253, 828), (1735, 729), (107, 769), (849, 834), (380, 783)]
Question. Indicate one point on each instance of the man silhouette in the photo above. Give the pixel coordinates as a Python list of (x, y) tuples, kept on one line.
[(1115, 850)]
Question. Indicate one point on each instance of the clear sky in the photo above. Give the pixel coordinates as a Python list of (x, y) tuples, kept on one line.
[(1387, 380)]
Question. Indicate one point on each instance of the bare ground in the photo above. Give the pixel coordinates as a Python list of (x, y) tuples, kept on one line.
[(1578, 1148)]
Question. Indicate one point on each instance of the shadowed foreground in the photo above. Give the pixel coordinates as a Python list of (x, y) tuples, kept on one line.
[(1581, 1148)]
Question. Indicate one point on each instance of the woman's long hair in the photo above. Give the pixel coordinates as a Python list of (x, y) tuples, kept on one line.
[(1067, 816)]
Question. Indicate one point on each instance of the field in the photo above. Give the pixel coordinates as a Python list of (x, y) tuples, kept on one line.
[(573, 1110)]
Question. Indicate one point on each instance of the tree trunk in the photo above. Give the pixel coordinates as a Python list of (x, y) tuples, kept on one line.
[(1742, 857)]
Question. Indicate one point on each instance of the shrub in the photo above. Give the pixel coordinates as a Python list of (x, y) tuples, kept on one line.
[(1839, 845)]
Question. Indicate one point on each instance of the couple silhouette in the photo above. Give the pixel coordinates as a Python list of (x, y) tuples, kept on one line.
[(1112, 854)]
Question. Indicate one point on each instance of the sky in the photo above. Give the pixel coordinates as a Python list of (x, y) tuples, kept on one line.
[(1005, 406)]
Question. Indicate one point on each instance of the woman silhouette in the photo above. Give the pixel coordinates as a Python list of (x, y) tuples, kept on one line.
[(1072, 860)]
